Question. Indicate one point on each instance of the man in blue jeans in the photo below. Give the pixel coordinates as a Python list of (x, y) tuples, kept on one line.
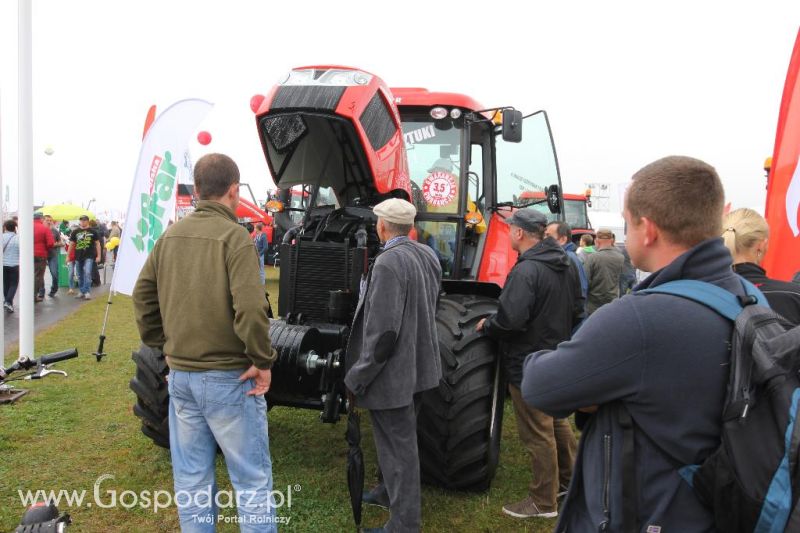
[(87, 249), (199, 300)]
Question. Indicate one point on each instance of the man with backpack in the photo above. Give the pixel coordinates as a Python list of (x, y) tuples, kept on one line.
[(653, 368)]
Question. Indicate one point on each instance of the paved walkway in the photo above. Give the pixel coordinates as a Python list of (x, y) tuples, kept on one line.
[(48, 312)]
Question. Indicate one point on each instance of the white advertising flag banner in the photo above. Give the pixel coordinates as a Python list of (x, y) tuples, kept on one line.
[(163, 162)]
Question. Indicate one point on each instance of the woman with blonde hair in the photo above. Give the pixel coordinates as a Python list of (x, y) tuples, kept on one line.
[(746, 235)]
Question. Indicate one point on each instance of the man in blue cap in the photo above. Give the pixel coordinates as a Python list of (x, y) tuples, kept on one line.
[(540, 304)]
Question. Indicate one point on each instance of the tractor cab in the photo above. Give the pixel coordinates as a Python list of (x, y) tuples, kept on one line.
[(469, 169)]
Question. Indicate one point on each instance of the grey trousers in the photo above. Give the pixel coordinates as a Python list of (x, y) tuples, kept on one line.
[(395, 433)]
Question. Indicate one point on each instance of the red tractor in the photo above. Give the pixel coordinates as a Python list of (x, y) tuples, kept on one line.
[(248, 211), (575, 211), (350, 142)]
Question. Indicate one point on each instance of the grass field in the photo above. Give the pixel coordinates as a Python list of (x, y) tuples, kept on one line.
[(68, 433)]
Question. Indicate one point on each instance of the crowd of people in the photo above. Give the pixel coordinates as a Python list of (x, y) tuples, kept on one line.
[(83, 243), (574, 337)]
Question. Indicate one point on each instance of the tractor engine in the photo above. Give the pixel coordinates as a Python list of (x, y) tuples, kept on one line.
[(322, 264), (333, 133)]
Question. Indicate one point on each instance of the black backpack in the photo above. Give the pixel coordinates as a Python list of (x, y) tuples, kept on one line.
[(752, 481)]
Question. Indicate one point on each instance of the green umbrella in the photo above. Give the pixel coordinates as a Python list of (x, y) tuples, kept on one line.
[(65, 211)]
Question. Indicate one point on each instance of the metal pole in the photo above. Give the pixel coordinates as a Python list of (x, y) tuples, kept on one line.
[(25, 157)]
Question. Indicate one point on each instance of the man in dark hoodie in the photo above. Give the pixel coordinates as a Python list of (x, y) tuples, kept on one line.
[(562, 233), (661, 358), (540, 304)]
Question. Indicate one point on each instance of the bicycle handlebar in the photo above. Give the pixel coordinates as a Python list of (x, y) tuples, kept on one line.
[(23, 363), (58, 356)]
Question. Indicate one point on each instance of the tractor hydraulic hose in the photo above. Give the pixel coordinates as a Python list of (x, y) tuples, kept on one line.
[(290, 234)]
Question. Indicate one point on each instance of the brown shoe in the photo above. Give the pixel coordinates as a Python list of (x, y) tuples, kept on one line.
[(527, 509)]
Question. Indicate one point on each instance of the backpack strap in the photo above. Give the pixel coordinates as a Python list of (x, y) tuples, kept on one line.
[(716, 298)]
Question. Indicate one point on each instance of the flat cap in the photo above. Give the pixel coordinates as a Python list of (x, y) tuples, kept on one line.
[(396, 211), (528, 219), (604, 233)]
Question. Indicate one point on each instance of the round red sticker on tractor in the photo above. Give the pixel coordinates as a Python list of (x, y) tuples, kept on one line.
[(439, 189)]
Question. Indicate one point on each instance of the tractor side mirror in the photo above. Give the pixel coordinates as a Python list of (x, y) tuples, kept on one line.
[(554, 199), (512, 125)]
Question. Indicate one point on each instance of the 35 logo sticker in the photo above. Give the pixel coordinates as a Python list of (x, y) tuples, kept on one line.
[(439, 189)]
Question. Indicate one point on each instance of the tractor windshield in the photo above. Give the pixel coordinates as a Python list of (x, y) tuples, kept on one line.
[(434, 162), (525, 169)]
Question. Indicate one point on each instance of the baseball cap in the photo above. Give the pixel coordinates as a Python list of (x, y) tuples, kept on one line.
[(396, 211), (84, 217), (604, 233), (37, 215), (527, 219)]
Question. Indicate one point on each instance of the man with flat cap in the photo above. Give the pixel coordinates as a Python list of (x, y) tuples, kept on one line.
[(603, 271), (540, 304), (393, 356)]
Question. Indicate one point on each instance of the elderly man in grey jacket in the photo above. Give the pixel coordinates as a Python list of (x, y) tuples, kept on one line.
[(393, 355)]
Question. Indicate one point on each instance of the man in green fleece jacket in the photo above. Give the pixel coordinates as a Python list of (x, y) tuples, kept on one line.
[(200, 300)]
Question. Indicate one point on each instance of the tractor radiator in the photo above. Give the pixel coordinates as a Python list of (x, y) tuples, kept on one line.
[(309, 272)]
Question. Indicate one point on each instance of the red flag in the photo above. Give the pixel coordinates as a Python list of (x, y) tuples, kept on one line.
[(783, 191), (151, 116)]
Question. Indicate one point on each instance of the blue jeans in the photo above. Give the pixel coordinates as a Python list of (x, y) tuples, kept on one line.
[(71, 266), (84, 270), (261, 265), (207, 409)]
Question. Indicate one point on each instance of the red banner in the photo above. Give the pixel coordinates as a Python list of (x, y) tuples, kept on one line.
[(783, 192)]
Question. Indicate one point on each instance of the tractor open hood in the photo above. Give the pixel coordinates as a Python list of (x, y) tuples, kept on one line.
[(334, 127)]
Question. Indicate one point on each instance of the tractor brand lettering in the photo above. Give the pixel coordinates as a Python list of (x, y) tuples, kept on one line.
[(419, 135), (150, 225), (439, 189)]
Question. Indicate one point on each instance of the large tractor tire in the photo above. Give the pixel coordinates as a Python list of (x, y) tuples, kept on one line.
[(460, 422), (152, 396)]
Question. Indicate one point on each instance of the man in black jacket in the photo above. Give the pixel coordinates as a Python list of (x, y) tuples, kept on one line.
[(540, 304)]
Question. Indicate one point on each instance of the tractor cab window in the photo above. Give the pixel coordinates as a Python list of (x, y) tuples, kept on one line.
[(434, 162), (575, 213), (298, 198), (441, 237), (525, 169)]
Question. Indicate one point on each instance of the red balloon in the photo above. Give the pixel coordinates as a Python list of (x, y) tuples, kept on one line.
[(204, 138), (255, 102)]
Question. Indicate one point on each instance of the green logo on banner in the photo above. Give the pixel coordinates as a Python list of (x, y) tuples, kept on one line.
[(150, 225)]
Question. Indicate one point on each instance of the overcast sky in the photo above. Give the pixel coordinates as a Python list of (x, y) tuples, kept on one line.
[(624, 82)]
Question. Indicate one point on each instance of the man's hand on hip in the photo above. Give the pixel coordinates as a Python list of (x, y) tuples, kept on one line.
[(263, 379)]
